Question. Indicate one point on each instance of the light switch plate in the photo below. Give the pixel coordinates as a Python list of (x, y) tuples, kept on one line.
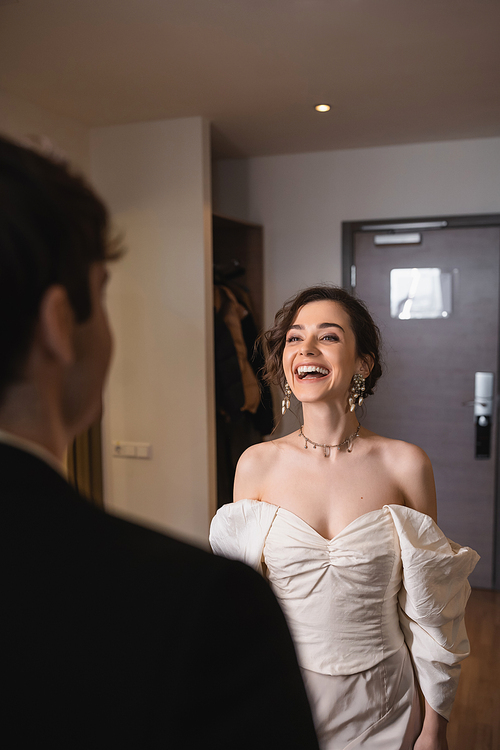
[(122, 449)]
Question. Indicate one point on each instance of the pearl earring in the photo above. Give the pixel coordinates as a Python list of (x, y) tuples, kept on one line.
[(285, 404), (357, 391)]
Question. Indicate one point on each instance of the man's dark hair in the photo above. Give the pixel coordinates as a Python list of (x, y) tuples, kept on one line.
[(52, 228)]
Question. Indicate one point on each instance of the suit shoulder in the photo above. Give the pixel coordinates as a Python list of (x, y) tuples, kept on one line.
[(150, 544), (153, 548)]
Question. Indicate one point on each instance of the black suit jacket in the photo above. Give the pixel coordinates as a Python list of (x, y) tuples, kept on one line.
[(116, 636)]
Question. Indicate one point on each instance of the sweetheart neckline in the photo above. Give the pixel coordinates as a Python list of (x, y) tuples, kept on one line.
[(333, 538), (351, 523)]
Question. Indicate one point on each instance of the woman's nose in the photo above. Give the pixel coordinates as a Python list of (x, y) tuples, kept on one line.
[(308, 347)]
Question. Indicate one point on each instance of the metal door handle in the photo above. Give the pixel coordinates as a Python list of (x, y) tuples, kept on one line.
[(483, 394), (483, 411)]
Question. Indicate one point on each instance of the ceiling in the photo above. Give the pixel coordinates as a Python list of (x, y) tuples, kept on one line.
[(394, 71)]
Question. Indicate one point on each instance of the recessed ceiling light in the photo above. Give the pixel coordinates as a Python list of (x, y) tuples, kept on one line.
[(322, 107)]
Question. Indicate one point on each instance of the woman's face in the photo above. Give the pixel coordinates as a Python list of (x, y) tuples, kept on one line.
[(320, 357)]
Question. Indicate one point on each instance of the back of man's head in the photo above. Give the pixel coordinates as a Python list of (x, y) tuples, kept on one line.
[(52, 228)]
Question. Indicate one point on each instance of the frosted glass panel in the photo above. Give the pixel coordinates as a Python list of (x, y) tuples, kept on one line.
[(420, 293)]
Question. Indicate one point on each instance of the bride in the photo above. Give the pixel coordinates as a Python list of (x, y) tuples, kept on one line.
[(342, 523)]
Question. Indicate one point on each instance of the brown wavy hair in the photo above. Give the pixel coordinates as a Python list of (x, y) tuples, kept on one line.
[(366, 331)]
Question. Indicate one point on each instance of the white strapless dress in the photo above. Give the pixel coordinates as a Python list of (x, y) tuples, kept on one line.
[(387, 586)]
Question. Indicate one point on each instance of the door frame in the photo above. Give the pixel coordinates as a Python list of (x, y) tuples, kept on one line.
[(349, 228)]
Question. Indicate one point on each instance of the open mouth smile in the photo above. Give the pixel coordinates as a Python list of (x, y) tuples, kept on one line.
[(311, 372)]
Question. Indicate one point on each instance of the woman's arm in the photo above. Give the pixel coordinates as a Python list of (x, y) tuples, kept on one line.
[(250, 473), (416, 480), (433, 734)]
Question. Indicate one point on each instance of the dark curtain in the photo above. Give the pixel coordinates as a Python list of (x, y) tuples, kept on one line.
[(84, 464)]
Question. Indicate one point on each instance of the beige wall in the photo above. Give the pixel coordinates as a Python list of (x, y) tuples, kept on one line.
[(20, 119), (155, 177)]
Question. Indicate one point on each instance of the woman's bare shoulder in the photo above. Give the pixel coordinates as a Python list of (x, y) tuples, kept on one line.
[(401, 451), (410, 468), (254, 468), (256, 455)]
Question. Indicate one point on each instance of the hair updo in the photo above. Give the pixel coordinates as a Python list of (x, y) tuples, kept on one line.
[(366, 332)]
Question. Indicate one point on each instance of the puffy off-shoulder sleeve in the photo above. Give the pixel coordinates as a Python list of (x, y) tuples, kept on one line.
[(432, 603), (239, 531)]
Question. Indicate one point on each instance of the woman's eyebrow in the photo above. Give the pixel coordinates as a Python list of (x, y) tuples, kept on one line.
[(331, 325), (321, 325)]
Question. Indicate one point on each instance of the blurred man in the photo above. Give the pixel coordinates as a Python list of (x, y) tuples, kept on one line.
[(113, 635)]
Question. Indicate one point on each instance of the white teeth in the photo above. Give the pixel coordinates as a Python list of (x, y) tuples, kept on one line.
[(303, 369)]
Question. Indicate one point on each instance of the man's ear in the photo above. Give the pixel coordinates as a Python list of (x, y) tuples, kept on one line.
[(57, 325)]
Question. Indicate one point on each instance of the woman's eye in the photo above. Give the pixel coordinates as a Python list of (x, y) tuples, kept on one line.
[(330, 337), (291, 339)]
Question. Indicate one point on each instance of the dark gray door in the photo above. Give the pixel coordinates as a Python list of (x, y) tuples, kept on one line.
[(425, 396)]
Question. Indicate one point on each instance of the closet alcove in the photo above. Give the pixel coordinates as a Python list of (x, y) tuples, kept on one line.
[(239, 300)]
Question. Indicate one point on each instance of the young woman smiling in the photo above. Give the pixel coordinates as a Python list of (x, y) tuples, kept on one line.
[(342, 522)]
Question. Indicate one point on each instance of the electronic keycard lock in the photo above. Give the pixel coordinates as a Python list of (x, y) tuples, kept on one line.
[(483, 412)]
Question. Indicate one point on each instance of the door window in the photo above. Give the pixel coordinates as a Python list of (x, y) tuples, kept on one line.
[(420, 293)]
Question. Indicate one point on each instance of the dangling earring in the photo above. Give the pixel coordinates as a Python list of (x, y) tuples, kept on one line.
[(357, 390), (285, 404)]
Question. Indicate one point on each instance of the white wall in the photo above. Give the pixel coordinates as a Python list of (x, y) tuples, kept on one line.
[(155, 177), (20, 119), (301, 200)]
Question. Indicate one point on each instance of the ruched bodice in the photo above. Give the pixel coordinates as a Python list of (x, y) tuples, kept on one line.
[(390, 575), (340, 596)]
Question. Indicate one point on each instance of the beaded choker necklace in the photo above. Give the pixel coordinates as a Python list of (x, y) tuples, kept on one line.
[(327, 448)]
